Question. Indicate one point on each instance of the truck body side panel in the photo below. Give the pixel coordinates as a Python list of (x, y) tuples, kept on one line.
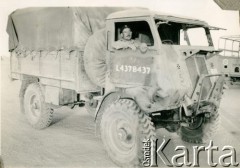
[(61, 69)]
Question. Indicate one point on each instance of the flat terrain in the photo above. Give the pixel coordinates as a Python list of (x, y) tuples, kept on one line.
[(70, 141)]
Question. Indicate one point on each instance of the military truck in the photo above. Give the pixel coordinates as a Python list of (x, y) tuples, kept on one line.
[(228, 60), (65, 56)]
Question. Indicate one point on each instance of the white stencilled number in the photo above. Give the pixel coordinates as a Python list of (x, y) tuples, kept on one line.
[(139, 69), (125, 68), (134, 69), (144, 70), (121, 68), (148, 70), (129, 68)]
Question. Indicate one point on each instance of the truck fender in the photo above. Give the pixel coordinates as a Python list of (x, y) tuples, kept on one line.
[(108, 99)]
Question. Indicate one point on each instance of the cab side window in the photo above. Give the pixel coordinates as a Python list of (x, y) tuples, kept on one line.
[(140, 30)]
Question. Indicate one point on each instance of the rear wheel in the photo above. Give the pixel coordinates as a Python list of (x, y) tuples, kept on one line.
[(38, 113), (23, 88), (123, 128)]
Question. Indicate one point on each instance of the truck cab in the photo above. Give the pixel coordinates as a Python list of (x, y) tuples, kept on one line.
[(165, 82), (169, 62)]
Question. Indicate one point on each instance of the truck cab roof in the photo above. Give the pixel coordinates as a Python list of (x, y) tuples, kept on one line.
[(133, 13)]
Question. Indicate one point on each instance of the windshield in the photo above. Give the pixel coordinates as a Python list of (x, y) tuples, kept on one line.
[(172, 33)]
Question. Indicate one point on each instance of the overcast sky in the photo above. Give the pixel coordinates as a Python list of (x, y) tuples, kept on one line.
[(201, 9)]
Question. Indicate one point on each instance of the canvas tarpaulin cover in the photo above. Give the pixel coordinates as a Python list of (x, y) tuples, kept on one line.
[(55, 28)]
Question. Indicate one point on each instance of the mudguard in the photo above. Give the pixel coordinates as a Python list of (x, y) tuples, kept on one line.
[(109, 99)]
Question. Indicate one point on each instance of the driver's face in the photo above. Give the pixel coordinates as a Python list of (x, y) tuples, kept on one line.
[(127, 34)]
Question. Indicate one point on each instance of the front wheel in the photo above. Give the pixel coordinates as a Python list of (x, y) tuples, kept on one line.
[(201, 129), (38, 113), (123, 128)]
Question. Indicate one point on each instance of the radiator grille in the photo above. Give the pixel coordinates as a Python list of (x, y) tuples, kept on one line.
[(197, 66)]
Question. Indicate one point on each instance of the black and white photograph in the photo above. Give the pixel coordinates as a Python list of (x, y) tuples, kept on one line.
[(150, 83)]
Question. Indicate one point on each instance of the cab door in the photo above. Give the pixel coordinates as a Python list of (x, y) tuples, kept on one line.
[(129, 67)]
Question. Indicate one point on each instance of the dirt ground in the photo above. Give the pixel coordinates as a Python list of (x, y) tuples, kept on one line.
[(70, 141)]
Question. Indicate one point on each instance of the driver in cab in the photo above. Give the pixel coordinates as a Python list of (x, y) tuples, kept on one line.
[(126, 40)]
